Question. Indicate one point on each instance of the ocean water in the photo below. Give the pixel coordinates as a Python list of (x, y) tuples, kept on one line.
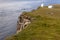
[(10, 10)]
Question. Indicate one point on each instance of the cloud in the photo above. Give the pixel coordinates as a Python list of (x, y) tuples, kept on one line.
[(15, 5), (15, 0)]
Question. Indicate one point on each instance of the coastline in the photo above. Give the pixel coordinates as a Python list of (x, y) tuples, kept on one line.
[(36, 17)]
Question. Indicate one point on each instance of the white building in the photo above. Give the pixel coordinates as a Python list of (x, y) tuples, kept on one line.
[(42, 5), (50, 6)]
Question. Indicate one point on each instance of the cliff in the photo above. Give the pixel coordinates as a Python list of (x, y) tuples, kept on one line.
[(40, 24), (23, 21)]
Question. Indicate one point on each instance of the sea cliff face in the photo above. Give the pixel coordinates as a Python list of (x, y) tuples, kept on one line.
[(23, 21)]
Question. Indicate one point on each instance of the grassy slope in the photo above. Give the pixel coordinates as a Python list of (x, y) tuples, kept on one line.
[(44, 26)]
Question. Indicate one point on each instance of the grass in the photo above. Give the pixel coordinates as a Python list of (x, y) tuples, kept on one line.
[(44, 26)]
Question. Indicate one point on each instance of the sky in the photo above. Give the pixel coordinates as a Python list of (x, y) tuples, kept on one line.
[(21, 3), (16, 3), (15, 0)]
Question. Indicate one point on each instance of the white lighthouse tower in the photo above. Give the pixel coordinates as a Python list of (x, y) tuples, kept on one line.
[(42, 5)]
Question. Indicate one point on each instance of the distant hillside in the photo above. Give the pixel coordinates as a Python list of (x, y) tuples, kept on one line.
[(44, 26), (56, 6)]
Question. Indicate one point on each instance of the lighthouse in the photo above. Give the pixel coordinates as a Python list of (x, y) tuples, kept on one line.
[(42, 5)]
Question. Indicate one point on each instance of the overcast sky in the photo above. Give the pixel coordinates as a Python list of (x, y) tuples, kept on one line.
[(21, 3), (16, 0), (16, 3)]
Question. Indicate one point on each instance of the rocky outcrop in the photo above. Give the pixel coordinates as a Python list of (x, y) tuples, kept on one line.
[(23, 22)]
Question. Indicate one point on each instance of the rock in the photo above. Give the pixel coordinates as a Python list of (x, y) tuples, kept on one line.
[(23, 22)]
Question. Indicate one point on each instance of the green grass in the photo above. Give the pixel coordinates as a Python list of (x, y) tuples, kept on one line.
[(44, 26)]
